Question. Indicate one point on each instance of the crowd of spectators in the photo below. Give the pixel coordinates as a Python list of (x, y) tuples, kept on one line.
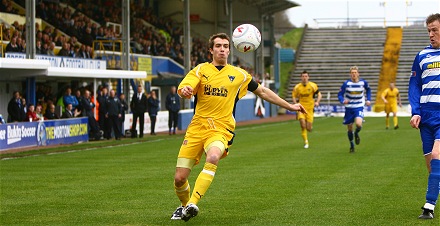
[(105, 116), (88, 22)]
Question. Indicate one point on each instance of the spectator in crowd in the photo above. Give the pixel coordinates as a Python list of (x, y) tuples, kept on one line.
[(124, 108), (50, 113), (172, 104), (69, 112), (138, 106), (21, 43), (31, 115), (24, 109), (38, 47), (103, 121), (68, 98), (15, 108), (12, 45), (113, 107), (64, 51), (51, 49), (39, 112), (78, 98), (153, 108), (76, 53), (87, 111)]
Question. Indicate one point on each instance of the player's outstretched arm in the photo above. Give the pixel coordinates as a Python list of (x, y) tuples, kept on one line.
[(269, 95)]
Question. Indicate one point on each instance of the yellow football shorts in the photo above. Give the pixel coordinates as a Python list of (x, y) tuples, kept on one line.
[(198, 139), (308, 117), (390, 108)]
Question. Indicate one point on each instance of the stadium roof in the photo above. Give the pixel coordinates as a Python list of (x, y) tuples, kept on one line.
[(270, 6)]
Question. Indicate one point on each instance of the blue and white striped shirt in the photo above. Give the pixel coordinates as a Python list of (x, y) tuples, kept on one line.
[(424, 83), (354, 92)]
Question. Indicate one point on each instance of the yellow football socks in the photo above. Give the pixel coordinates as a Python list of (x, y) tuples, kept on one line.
[(387, 121), (183, 193), (304, 134), (395, 121), (203, 182)]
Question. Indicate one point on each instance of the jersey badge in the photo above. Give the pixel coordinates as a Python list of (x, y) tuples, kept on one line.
[(231, 78)]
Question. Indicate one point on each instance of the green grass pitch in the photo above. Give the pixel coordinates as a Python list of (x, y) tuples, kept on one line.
[(267, 179)]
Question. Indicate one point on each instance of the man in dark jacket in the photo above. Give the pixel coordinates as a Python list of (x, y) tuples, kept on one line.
[(153, 108), (138, 106), (87, 106), (15, 108), (172, 104), (113, 107), (102, 120), (50, 112)]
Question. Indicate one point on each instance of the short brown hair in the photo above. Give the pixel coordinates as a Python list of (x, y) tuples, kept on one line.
[(218, 35), (433, 17)]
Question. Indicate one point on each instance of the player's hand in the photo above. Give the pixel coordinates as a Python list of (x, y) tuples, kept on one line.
[(415, 121), (187, 91), (345, 102), (316, 104), (298, 107), (368, 103), (385, 101)]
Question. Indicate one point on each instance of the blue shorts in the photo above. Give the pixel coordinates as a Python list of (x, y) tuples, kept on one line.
[(351, 114), (429, 129)]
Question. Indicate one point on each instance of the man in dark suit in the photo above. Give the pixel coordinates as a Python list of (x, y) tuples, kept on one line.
[(102, 120), (15, 108), (69, 113), (138, 106)]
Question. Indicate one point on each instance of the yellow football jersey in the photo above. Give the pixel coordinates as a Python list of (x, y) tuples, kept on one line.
[(391, 95), (305, 94), (217, 92)]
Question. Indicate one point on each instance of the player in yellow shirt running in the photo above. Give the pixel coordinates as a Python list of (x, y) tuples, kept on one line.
[(391, 97), (216, 86), (306, 92)]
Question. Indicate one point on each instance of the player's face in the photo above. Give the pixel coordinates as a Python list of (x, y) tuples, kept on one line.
[(220, 51), (434, 33), (354, 75), (304, 78)]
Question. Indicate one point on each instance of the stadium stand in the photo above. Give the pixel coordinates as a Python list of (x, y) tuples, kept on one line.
[(328, 53)]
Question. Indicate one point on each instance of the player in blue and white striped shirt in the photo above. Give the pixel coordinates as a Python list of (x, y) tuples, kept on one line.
[(424, 98), (352, 95)]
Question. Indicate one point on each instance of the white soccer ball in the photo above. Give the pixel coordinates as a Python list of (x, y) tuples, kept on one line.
[(246, 38)]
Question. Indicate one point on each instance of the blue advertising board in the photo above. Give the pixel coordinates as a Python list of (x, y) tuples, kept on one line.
[(43, 133)]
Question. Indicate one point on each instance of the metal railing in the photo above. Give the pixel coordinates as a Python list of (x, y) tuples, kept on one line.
[(367, 22)]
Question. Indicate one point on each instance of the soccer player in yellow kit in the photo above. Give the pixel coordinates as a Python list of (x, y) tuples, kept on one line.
[(216, 86), (391, 97), (305, 92)]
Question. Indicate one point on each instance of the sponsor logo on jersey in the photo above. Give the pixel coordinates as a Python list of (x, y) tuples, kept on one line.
[(433, 65), (214, 91)]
